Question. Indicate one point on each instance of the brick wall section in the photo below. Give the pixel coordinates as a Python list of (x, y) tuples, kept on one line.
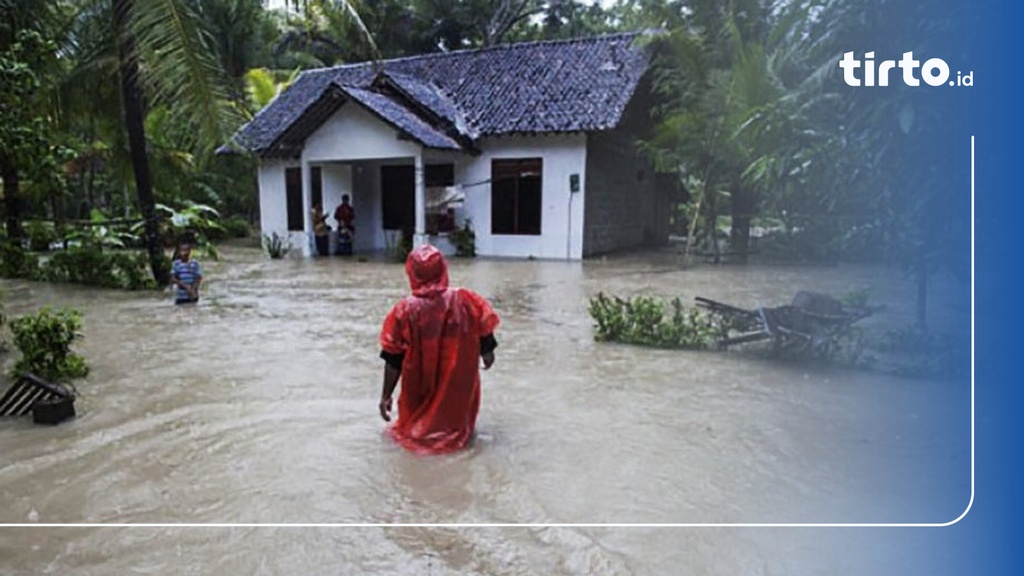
[(619, 206)]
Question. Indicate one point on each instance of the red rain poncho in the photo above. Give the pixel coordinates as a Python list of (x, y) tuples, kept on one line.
[(438, 330)]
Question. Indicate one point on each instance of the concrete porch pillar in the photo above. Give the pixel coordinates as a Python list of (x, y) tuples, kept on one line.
[(307, 209), (420, 237)]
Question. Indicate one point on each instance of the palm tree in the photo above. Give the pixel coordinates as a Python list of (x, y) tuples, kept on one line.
[(709, 73), (879, 155), (166, 57)]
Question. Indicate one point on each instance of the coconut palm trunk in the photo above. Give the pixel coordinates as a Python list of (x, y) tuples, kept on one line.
[(134, 118), (12, 198)]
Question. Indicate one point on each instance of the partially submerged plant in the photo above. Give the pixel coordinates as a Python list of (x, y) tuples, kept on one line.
[(642, 320), (464, 239), (276, 246), (402, 248), (45, 339)]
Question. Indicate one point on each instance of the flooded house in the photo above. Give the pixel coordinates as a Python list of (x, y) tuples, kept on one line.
[(532, 143)]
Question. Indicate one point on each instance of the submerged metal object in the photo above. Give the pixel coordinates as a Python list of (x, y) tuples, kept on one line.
[(49, 403), (807, 324)]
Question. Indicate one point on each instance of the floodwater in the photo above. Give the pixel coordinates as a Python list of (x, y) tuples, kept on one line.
[(259, 406)]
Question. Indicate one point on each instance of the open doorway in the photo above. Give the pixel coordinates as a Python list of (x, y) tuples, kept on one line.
[(398, 193)]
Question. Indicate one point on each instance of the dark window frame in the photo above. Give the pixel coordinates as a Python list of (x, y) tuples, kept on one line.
[(294, 213), (316, 185), (514, 183)]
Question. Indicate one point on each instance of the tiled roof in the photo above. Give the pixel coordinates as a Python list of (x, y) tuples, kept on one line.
[(430, 97), (391, 111), (438, 99)]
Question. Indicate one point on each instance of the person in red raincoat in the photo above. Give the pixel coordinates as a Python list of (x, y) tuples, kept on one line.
[(433, 340)]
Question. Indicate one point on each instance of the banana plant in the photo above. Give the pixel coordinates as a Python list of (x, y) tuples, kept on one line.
[(193, 221), (103, 232)]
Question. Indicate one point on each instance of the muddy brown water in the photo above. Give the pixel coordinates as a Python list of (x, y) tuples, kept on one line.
[(259, 406)]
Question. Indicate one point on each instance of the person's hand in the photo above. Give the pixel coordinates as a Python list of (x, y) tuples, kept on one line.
[(385, 408), (488, 360)]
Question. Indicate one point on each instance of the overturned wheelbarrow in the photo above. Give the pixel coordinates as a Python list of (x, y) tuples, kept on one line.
[(808, 324), (49, 402)]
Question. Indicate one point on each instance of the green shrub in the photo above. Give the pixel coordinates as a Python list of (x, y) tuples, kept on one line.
[(15, 262), (400, 253), (132, 270), (643, 321), (40, 236), (196, 223), (90, 265), (45, 341), (236, 227), (103, 232), (86, 264), (465, 240)]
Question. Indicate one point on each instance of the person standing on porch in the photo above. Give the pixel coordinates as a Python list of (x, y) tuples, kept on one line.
[(345, 215), (321, 231), (433, 340)]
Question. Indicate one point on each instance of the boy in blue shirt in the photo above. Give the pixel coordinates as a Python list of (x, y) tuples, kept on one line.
[(186, 275)]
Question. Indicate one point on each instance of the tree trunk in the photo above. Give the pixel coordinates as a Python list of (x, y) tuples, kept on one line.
[(711, 224), (12, 198), (134, 118), (739, 232), (739, 236), (90, 184)]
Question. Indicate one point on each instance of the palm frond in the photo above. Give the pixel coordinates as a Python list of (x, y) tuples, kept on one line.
[(180, 67)]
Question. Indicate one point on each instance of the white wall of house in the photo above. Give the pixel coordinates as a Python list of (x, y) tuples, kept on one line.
[(352, 133), (561, 212), (366, 201), (341, 147), (355, 136), (337, 182), (274, 202), (352, 145)]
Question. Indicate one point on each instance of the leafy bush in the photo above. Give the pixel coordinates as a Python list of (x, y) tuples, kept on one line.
[(195, 223), (465, 240), (236, 227), (88, 264), (642, 320), (45, 340), (400, 253), (132, 270), (103, 232), (276, 246), (40, 236), (15, 262)]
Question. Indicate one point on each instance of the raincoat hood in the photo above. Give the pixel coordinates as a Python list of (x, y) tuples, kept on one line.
[(427, 271)]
